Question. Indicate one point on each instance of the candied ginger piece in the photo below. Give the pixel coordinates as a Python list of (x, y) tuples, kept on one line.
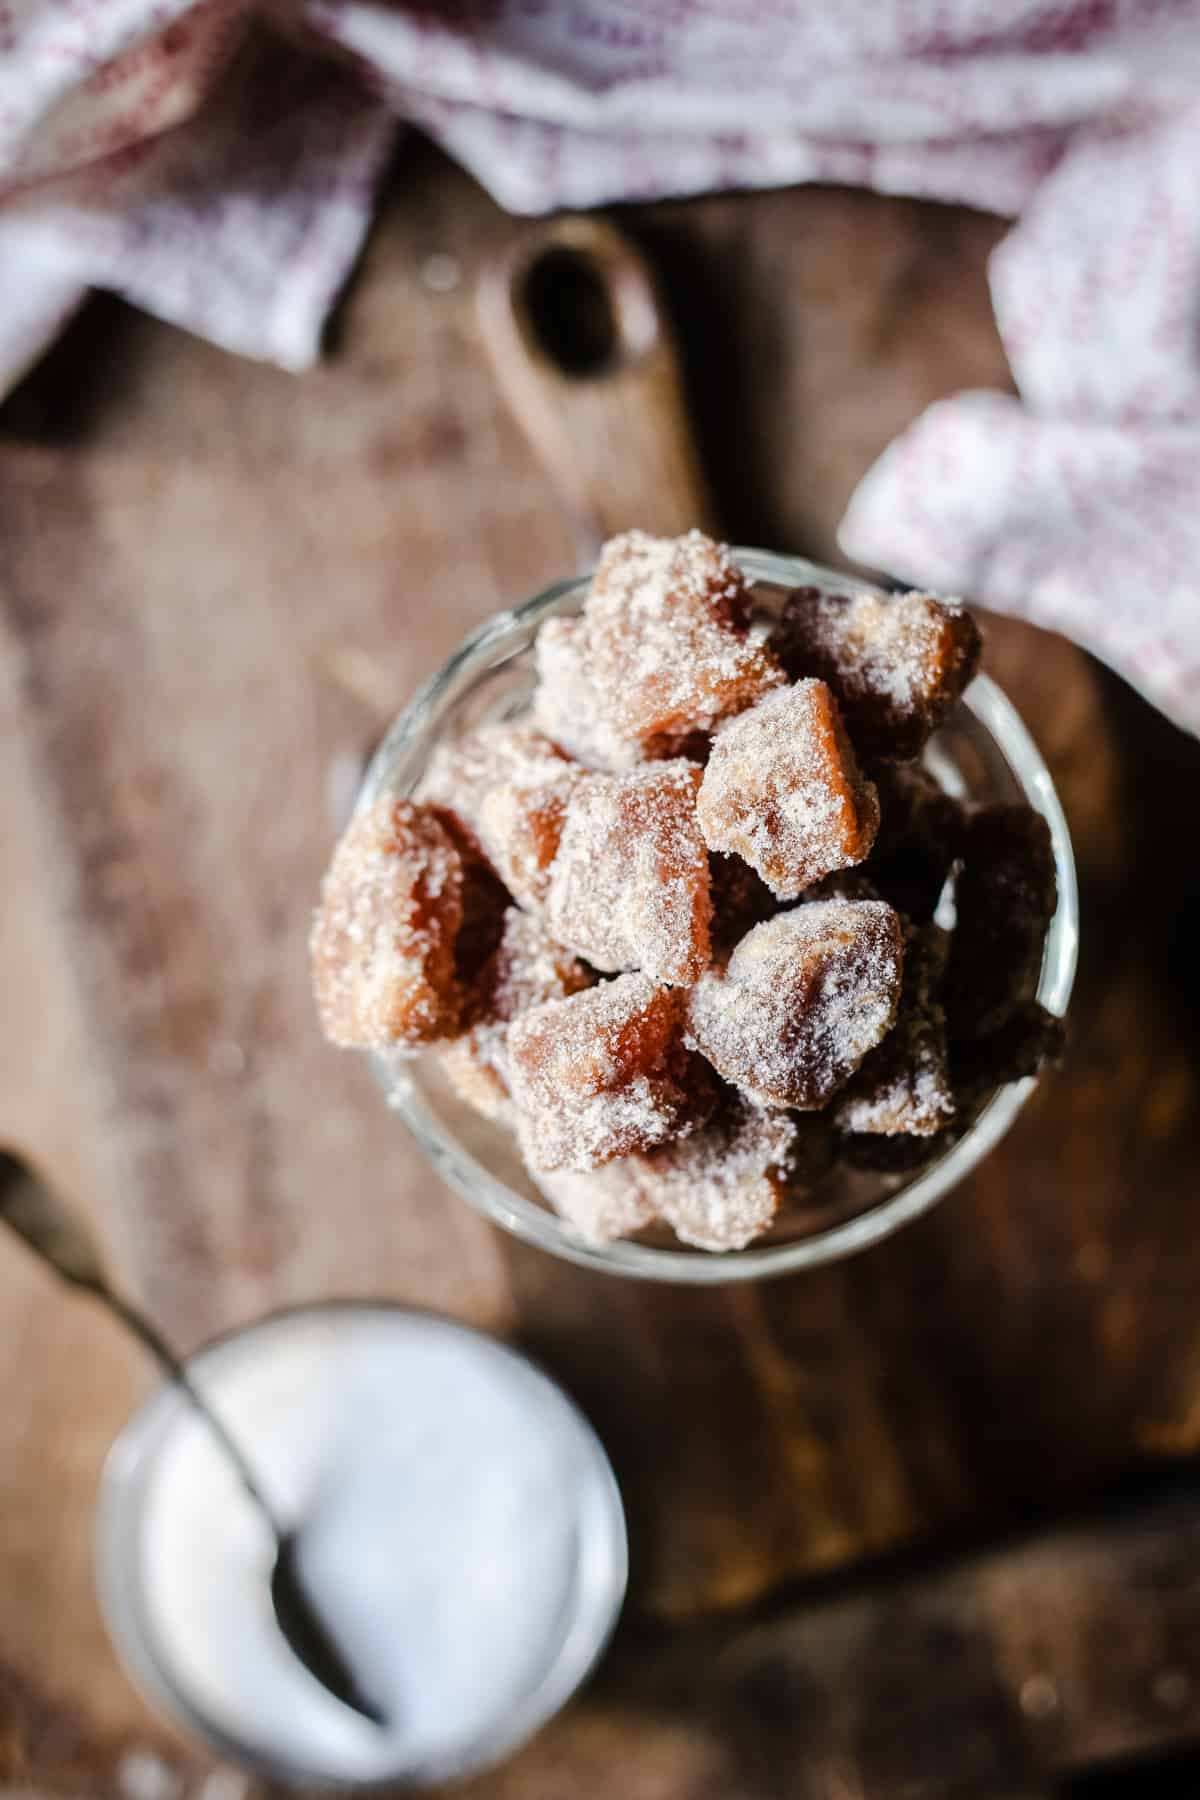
[(382, 944), (668, 641), (520, 828), (783, 790), (629, 886), (602, 1074), (1030, 1039), (918, 840), (526, 969), (602, 1204), (740, 899), (461, 774), (721, 1188), (1004, 899), (567, 705), (802, 1000), (903, 1086), (897, 663)]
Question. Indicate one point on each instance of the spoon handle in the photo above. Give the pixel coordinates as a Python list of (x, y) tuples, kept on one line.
[(59, 1239)]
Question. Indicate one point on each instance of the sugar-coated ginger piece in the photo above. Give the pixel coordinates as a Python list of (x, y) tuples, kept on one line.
[(740, 900), (382, 943), (629, 887), (463, 773), (903, 1087), (526, 969), (783, 790), (1030, 1039), (1004, 898), (668, 641), (721, 1188), (802, 1000), (897, 663), (918, 839), (521, 828), (567, 705), (602, 1074), (602, 1204), (569, 708)]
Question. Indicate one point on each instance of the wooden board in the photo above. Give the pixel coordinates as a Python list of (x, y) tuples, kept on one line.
[(216, 582)]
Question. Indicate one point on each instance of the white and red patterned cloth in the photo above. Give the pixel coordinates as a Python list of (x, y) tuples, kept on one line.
[(218, 170)]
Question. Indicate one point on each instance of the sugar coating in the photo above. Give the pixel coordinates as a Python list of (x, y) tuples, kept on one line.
[(903, 1086), (526, 969), (667, 637), (568, 707), (1029, 1039), (721, 1188), (629, 887), (897, 663), (461, 775), (521, 827), (802, 1000), (1004, 897), (783, 790), (567, 704), (602, 1204), (602, 1074), (382, 943)]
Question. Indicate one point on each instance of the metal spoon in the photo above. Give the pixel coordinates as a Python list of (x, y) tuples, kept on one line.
[(61, 1242)]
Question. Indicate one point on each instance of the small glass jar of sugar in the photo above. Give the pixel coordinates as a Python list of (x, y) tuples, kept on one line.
[(459, 1528)]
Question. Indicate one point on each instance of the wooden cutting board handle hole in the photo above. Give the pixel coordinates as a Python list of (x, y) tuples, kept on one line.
[(585, 311), (582, 348)]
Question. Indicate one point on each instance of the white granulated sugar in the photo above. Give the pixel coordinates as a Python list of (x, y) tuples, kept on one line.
[(453, 1524)]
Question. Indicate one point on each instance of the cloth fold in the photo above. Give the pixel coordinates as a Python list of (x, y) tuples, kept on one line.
[(218, 169)]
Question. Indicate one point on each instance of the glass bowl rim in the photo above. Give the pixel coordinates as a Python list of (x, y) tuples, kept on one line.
[(533, 1224)]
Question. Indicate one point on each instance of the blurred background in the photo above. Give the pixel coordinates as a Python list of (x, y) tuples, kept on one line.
[(298, 390)]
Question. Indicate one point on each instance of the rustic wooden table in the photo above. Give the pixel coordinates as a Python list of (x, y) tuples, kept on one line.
[(216, 583)]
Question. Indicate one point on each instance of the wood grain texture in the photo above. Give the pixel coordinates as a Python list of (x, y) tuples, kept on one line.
[(217, 581)]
